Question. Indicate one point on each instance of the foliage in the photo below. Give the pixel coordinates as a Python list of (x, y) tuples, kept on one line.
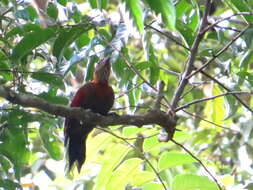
[(155, 45)]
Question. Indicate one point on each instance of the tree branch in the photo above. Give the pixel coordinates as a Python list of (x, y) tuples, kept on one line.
[(219, 53), (227, 89), (191, 59), (157, 105), (200, 162), (210, 98), (226, 18), (216, 124), (166, 34), (166, 121)]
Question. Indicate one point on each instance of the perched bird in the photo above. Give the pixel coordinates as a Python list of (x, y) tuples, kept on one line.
[(98, 96)]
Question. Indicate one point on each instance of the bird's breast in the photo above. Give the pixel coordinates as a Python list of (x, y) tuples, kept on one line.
[(100, 99)]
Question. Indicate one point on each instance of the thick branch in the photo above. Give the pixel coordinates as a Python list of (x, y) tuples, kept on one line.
[(166, 121)]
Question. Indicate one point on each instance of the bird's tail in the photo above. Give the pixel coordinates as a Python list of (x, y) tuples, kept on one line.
[(75, 142)]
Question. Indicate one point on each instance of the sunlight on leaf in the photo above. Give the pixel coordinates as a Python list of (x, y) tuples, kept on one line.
[(114, 157), (193, 182), (124, 174), (172, 159)]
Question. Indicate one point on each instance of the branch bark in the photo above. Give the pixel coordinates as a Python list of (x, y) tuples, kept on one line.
[(166, 121), (192, 57)]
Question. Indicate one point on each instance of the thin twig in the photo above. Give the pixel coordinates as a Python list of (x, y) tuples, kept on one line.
[(209, 98), (159, 98), (141, 154), (226, 18), (29, 72), (130, 66), (219, 53), (227, 89), (199, 161), (166, 35), (170, 71), (227, 28), (192, 57), (216, 124), (132, 138), (126, 92), (126, 107), (192, 88)]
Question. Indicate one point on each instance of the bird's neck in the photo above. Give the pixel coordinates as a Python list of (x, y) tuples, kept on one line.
[(100, 79)]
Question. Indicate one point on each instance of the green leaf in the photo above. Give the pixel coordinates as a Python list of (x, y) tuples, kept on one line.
[(249, 37), (186, 32), (23, 30), (91, 68), (50, 142), (118, 68), (240, 6), (54, 99), (8, 184), (152, 186), (83, 54), (154, 67), (193, 20), (246, 76), (151, 143), (172, 159), (4, 71), (4, 1), (219, 111), (142, 65), (103, 4), (114, 157), (232, 106), (49, 78), (32, 40), (97, 144), (15, 147), (136, 11), (65, 38), (124, 174), (52, 11), (182, 7), (167, 9), (143, 178), (62, 2), (246, 60), (131, 131), (83, 40), (131, 96), (193, 182), (93, 4), (32, 13), (215, 109), (5, 163)]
